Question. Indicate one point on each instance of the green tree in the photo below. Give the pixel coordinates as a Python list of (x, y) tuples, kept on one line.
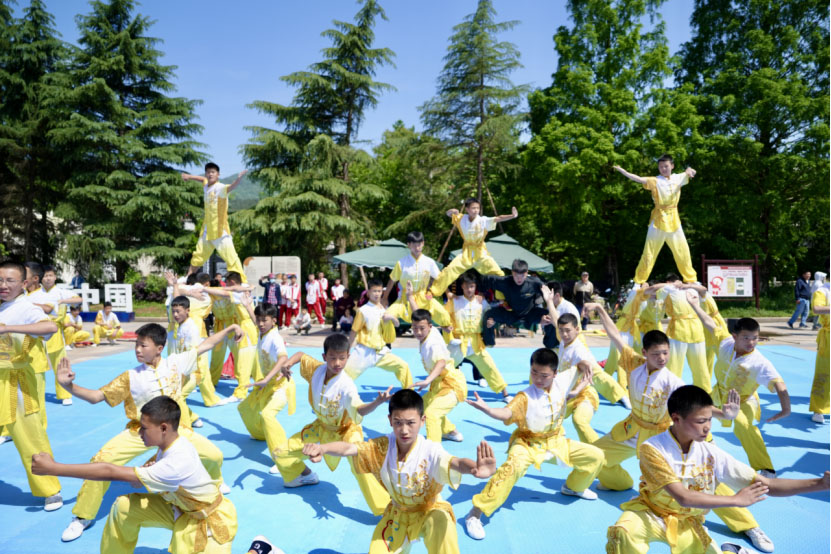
[(476, 107), (760, 74), (32, 78), (331, 99), (607, 104), (123, 137)]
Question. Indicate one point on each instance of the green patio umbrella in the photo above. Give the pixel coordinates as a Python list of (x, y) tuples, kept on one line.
[(505, 250), (384, 255)]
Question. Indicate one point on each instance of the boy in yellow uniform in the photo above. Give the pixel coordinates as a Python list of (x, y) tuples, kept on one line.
[(651, 385), (73, 330), (627, 324), (664, 223), (40, 357), (420, 270), (820, 386), (413, 470), (338, 409), (685, 332), (447, 384), (740, 366), (680, 473), (155, 376), (372, 329), (229, 309), (182, 497), (272, 393), (652, 311), (22, 325), (216, 234), (473, 228), (538, 413), (106, 325), (466, 319)]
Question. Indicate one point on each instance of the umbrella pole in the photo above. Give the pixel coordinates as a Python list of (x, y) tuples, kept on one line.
[(363, 277)]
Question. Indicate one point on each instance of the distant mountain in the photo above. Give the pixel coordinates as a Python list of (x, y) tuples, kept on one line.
[(245, 195)]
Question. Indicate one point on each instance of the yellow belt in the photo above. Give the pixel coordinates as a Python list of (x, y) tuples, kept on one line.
[(662, 425)]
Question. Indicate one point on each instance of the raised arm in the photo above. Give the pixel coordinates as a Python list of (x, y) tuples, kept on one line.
[(608, 325), (43, 464), (451, 212), (189, 177), (548, 296), (386, 296), (369, 407), (706, 320), (501, 414), (637, 178), (66, 377), (236, 182), (411, 297), (208, 344), (513, 215)]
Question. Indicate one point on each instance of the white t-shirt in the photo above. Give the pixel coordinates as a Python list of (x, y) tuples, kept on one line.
[(312, 291), (337, 292), (178, 466)]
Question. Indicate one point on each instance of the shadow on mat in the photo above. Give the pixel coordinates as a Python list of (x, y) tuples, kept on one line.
[(13, 496), (498, 436), (249, 448)]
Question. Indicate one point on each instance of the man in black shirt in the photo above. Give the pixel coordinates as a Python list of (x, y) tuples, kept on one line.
[(802, 295), (521, 292)]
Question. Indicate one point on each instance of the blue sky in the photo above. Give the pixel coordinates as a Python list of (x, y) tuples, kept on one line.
[(232, 53)]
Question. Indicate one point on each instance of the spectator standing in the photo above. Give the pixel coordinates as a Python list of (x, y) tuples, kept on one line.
[(583, 292), (272, 294), (337, 294), (77, 281), (802, 294)]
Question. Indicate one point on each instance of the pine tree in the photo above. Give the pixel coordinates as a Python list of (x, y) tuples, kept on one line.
[(476, 105), (124, 137), (32, 77), (760, 74), (331, 99), (606, 105)]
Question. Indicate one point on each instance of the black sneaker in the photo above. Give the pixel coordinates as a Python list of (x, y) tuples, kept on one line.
[(261, 545)]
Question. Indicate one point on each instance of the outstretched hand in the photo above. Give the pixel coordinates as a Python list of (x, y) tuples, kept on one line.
[(384, 396), (730, 409), (751, 494), (479, 403), (546, 293), (65, 373), (170, 277), (514, 212), (485, 461)]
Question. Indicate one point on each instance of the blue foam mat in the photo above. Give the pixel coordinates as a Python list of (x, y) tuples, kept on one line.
[(332, 516)]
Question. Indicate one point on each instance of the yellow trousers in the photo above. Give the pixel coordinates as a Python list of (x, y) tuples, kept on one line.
[(291, 465), (820, 386), (438, 532), (54, 359), (246, 365), (224, 247), (202, 377), (401, 310), (388, 362), (217, 361), (585, 459), (612, 363), (126, 446), (40, 378), (486, 366), (72, 335), (100, 332), (581, 416), (610, 389), (633, 532), (655, 239), (485, 265), (29, 436), (259, 414), (436, 409), (751, 438), (696, 355), (131, 512)]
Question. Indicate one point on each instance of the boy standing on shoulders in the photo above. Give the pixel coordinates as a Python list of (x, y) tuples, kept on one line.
[(413, 470)]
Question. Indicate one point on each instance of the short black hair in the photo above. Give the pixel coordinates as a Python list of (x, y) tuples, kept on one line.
[(163, 409), (470, 201), (48, 268), (234, 276), (671, 277), (415, 236), (372, 283), (421, 315), (519, 266), (666, 158), (336, 343), (468, 277), (190, 279), (211, 165), (567, 319), (555, 286), (36, 269), (545, 357), (203, 278), (266, 310), (11, 264), (73, 307), (406, 399), (154, 332), (181, 301), (687, 399), (107, 304), (746, 324), (654, 338)]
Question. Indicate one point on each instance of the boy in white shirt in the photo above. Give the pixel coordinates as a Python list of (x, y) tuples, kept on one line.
[(664, 224), (74, 327), (313, 297), (302, 323), (106, 325)]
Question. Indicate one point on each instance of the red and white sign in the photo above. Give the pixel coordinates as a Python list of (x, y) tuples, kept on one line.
[(730, 280)]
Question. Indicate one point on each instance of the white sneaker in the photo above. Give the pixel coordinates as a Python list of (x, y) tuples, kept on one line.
[(454, 342), (197, 424), (274, 470), (474, 527), (52, 503), (67, 347), (818, 418), (302, 480), (75, 529), (626, 403), (260, 545), (759, 539), (229, 400), (734, 548), (587, 494), (769, 473), (66, 402), (507, 399), (94, 345), (5, 439), (483, 383), (454, 436), (224, 489)]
